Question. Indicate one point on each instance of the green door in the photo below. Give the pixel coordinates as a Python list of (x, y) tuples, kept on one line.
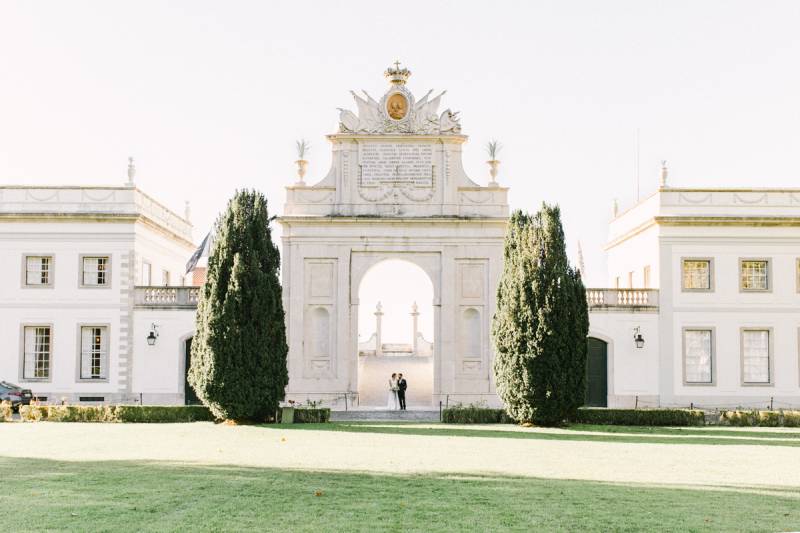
[(190, 398), (596, 373)]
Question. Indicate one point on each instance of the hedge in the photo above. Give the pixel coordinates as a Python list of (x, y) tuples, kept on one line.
[(475, 415), (115, 413), (760, 418), (308, 415), (640, 417)]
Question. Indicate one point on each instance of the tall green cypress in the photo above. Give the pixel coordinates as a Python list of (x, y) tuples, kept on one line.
[(238, 364), (541, 322)]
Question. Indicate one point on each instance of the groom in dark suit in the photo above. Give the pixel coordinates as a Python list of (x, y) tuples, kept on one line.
[(401, 392)]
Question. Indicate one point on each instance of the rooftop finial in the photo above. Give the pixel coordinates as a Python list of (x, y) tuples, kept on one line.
[(581, 266), (397, 75), (131, 172), (664, 173), (615, 208), (187, 211)]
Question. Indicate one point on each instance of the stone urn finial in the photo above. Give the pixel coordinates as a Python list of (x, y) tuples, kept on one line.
[(303, 146), (664, 174), (131, 172), (493, 148)]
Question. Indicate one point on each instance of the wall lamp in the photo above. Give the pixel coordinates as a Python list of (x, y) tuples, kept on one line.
[(153, 335), (637, 337)]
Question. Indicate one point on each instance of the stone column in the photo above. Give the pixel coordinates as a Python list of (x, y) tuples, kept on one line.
[(414, 320), (378, 341)]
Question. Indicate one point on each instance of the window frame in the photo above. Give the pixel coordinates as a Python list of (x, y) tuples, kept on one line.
[(79, 358), (109, 270), (797, 273), (711, 285), (149, 266), (768, 260), (51, 271), (22, 329), (713, 381), (770, 356)]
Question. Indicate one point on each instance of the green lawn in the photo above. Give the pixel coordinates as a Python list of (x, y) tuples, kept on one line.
[(626, 434), (123, 496)]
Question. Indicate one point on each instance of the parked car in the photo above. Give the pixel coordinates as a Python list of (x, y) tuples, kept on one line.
[(15, 394)]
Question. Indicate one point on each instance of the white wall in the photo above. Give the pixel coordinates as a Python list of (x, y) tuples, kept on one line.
[(632, 371), (65, 305), (159, 370)]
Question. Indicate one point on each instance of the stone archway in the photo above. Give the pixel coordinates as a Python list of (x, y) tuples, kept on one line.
[(396, 189), (382, 349)]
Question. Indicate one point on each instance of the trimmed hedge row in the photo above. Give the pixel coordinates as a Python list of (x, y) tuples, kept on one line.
[(475, 415), (115, 413), (640, 417), (309, 415), (789, 419), (622, 417)]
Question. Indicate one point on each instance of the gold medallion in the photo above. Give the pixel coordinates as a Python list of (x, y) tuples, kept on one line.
[(397, 106)]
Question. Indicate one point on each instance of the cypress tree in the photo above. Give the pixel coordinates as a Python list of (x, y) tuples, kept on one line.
[(541, 322), (238, 363)]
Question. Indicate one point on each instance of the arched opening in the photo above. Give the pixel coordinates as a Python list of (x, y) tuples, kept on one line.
[(395, 333), (596, 373)]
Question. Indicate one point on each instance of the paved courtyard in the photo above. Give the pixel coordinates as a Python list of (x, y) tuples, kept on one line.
[(755, 458)]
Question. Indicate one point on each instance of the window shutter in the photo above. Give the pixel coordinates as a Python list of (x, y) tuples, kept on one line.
[(86, 353)]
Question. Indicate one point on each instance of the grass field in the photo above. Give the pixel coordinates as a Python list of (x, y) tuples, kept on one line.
[(201, 477)]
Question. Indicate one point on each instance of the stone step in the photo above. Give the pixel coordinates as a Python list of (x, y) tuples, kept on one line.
[(376, 415)]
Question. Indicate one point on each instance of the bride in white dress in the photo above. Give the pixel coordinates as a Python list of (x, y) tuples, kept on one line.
[(393, 388)]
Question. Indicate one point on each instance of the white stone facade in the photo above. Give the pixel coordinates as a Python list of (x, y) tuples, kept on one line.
[(720, 228), (66, 228), (396, 190)]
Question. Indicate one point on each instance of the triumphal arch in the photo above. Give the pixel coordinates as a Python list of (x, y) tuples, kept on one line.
[(396, 189)]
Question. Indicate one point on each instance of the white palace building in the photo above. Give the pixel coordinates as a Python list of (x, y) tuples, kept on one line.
[(702, 305)]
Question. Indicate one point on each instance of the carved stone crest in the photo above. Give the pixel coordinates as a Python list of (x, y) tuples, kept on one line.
[(398, 112)]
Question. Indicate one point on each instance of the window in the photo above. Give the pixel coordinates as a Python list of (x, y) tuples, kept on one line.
[(36, 352), (698, 356), (165, 278), (646, 277), (756, 356), (94, 352), (146, 273), (38, 270), (797, 274), (697, 275), (754, 274), (95, 271)]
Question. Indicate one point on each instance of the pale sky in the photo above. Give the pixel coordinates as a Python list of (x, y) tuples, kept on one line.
[(211, 96)]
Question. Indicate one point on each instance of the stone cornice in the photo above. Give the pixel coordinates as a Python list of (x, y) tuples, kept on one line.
[(117, 218), (716, 221), (753, 221), (372, 220), (384, 137)]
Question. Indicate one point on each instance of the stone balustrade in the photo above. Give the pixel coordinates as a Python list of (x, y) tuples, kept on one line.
[(166, 297), (622, 298)]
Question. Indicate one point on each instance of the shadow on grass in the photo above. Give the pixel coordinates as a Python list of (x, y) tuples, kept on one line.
[(618, 434), (135, 496)]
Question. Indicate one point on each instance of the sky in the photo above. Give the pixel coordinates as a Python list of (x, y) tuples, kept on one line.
[(209, 97)]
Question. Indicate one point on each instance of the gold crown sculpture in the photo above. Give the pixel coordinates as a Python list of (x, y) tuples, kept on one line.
[(397, 75)]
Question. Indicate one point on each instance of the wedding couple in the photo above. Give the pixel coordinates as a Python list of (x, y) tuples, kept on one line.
[(397, 392)]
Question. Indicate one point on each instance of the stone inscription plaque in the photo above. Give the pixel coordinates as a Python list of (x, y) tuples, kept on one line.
[(396, 164)]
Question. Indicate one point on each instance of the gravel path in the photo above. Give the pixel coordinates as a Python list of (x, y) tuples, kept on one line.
[(650, 463)]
